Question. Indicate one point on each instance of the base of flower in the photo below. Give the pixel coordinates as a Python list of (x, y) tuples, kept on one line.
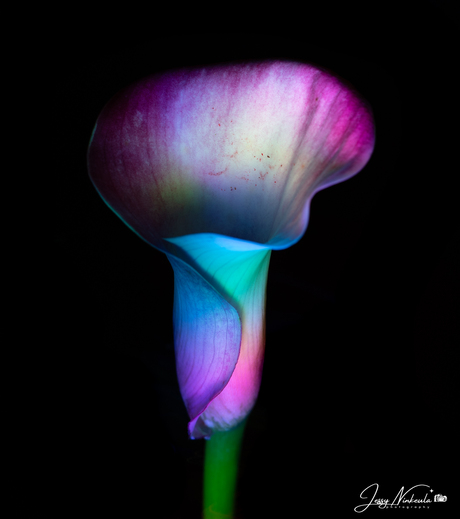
[(220, 472)]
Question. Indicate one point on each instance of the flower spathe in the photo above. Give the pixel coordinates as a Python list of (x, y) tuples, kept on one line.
[(215, 167)]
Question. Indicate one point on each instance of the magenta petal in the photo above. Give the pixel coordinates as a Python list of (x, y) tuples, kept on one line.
[(237, 150)]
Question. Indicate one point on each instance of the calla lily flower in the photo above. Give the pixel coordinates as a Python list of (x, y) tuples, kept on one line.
[(216, 167)]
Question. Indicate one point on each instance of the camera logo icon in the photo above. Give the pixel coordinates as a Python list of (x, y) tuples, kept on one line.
[(438, 498)]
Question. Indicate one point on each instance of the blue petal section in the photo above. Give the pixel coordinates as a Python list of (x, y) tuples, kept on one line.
[(207, 337), (229, 264), (236, 270)]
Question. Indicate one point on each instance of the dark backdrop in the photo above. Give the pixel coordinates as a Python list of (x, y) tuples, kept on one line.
[(361, 313)]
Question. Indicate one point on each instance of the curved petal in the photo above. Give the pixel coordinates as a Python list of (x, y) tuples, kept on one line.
[(207, 337), (236, 150), (237, 271)]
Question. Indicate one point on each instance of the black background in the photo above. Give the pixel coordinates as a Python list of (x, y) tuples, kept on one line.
[(362, 313)]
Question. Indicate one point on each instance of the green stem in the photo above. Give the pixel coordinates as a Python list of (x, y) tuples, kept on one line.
[(220, 472)]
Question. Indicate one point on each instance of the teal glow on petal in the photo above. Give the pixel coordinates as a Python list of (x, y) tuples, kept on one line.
[(236, 271)]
